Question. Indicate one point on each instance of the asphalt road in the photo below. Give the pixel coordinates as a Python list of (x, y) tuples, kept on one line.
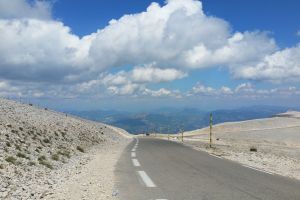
[(159, 169)]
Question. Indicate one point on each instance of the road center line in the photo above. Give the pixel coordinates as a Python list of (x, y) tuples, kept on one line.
[(146, 179), (133, 154), (136, 163)]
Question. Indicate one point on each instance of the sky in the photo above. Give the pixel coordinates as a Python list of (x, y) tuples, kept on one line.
[(142, 55)]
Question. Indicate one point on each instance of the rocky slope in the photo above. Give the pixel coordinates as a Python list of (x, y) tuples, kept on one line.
[(38, 148)]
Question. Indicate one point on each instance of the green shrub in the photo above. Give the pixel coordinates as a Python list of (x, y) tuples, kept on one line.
[(79, 148), (65, 153), (31, 163), (21, 155), (46, 140), (41, 158), (18, 147), (8, 144), (46, 164), (55, 157), (11, 159)]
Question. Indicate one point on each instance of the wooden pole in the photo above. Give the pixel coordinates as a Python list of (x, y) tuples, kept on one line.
[(210, 130)]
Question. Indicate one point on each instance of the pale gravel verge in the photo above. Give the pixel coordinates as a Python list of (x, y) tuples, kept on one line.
[(93, 180)]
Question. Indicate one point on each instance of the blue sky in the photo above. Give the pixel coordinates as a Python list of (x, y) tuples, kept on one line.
[(183, 53)]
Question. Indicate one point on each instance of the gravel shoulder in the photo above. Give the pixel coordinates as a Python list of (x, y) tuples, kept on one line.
[(93, 178)]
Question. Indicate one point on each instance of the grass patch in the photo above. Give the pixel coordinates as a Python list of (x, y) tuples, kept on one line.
[(46, 140), (41, 158), (43, 161), (79, 148), (11, 159), (65, 153), (55, 157), (46, 164), (21, 155), (18, 147), (31, 163)]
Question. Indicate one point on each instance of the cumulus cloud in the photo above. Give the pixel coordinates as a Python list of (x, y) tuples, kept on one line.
[(164, 43), (161, 35), (162, 92), (22, 9), (243, 90), (281, 66)]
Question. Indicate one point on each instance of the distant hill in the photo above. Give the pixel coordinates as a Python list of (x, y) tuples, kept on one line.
[(168, 120)]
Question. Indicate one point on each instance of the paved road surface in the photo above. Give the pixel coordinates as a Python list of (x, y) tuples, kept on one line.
[(159, 169)]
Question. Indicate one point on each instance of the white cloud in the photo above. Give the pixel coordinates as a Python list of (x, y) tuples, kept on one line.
[(127, 89), (161, 35), (35, 50), (244, 87), (281, 66), (164, 43), (162, 92), (157, 75), (141, 75), (298, 33), (22, 9), (243, 90), (226, 90)]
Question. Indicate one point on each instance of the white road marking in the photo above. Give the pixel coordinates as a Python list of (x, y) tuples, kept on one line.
[(133, 150), (146, 179), (258, 169), (133, 154), (216, 156), (136, 163)]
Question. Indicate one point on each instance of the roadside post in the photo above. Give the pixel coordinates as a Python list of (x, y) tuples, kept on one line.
[(210, 130), (181, 134)]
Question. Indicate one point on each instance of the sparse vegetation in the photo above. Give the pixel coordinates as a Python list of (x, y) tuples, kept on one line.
[(46, 140), (43, 161), (1, 166), (8, 144), (21, 155), (18, 147), (65, 153), (55, 157), (31, 163), (79, 148), (46, 164), (11, 159), (42, 158)]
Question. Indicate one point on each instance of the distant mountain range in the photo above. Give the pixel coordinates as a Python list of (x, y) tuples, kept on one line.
[(172, 120)]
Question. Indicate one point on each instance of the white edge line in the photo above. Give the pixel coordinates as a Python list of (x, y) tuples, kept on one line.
[(260, 170), (146, 179)]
